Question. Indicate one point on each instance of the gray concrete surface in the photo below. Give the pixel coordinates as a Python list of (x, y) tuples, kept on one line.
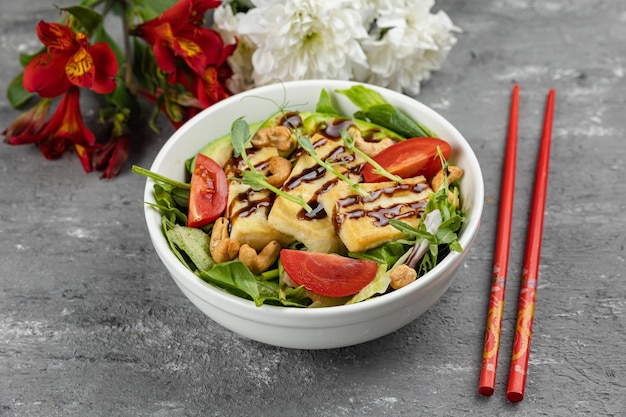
[(92, 325)]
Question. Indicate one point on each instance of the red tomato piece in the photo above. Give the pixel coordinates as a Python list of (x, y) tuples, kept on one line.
[(328, 274), (409, 158), (208, 194)]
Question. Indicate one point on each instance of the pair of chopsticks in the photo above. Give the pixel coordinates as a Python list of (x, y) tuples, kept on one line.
[(528, 290)]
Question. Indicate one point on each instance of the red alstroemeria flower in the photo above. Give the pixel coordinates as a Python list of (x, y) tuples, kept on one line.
[(191, 11), (69, 60), (209, 87), (112, 156), (178, 108), (28, 123), (65, 128), (177, 33)]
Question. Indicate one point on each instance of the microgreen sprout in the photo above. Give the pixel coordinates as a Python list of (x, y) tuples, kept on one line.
[(159, 178), (378, 169), (442, 232), (240, 137), (306, 144)]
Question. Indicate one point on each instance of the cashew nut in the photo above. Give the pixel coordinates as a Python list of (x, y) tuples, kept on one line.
[(260, 262), (276, 136), (402, 275), (280, 168), (369, 148), (454, 173), (222, 247)]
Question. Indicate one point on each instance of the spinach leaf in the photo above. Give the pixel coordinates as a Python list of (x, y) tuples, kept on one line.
[(236, 278), (167, 205), (375, 109)]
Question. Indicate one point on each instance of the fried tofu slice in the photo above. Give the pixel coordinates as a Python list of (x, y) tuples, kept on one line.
[(362, 223), (311, 181), (247, 209)]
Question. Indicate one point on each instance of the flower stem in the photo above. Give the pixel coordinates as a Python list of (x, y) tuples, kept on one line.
[(128, 53)]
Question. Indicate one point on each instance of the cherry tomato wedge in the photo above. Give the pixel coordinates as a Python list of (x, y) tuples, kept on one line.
[(409, 158), (328, 274), (208, 194)]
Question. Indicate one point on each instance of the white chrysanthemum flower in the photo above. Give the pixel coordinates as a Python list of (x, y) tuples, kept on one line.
[(225, 22), (304, 39), (407, 44)]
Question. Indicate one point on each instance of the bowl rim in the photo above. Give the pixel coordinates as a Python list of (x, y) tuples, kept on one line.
[(247, 308)]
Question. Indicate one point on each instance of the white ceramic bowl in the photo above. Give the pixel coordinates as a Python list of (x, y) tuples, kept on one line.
[(320, 328)]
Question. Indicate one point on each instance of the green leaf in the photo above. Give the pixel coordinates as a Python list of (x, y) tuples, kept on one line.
[(375, 109), (405, 228), (167, 205), (445, 236), (160, 178), (122, 98), (239, 136), (167, 225), (90, 3), (325, 105), (378, 285), (195, 243), (389, 116), (145, 64), (234, 276), (26, 58), (151, 9), (180, 196), (88, 18), (16, 94), (292, 297), (387, 253), (363, 97)]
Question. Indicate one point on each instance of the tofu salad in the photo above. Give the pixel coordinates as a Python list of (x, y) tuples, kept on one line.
[(315, 208)]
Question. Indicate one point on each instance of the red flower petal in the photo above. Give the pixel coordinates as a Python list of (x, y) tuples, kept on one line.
[(80, 69), (45, 75), (113, 156), (56, 37), (106, 68), (164, 57), (85, 154), (28, 124), (177, 15), (53, 148), (209, 41)]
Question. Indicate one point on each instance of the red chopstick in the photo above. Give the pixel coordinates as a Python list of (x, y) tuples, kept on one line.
[(498, 279), (530, 275)]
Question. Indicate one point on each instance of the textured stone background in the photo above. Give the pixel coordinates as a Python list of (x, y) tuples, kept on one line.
[(91, 324)]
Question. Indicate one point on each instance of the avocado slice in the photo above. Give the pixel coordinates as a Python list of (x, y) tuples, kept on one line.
[(219, 150)]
